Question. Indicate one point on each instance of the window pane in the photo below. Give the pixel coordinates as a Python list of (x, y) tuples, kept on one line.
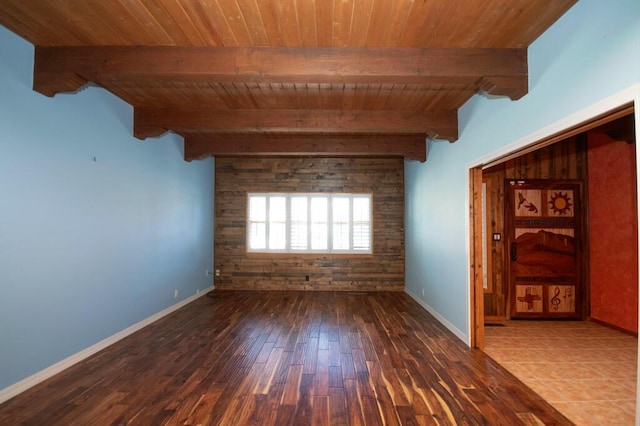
[(257, 209), (258, 236), (341, 217), (277, 223), (277, 236), (361, 224), (299, 222), (361, 236), (277, 209), (361, 209), (257, 222), (319, 226)]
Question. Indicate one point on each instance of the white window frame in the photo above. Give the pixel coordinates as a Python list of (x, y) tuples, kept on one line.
[(330, 197)]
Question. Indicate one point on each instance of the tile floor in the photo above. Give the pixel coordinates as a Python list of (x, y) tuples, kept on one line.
[(585, 370)]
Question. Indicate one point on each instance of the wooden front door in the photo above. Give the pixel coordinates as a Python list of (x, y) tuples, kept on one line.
[(544, 222)]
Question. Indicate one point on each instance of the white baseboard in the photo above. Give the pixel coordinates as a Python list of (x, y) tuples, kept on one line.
[(21, 386), (452, 328)]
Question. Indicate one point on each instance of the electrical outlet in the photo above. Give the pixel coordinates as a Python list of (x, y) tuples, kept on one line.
[(217, 272), (175, 293)]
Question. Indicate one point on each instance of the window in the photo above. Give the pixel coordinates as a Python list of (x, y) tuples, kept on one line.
[(303, 223)]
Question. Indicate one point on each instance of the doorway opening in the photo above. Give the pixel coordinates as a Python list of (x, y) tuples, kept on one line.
[(563, 156), (601, 154)]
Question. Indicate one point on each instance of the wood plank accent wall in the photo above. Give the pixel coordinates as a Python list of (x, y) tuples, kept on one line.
[(382, 270), (563, 160)]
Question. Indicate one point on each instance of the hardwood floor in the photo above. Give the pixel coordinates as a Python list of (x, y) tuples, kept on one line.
[(277, 358)]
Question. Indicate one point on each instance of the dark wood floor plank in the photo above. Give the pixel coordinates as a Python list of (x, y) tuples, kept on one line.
[(322, 377), (265, 351), (264, 412), (304, 401), (201, 413), (278, 358), (353, 403), (334, 353), (323, 340), (335, 377), (228, 397), (320, 415), (311, 356), (268, 372), (348, 369), (337, 407), (370, 411), (286, 415), (292, 385)]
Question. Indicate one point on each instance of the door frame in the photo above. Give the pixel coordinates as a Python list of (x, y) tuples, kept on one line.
[(608, 109)]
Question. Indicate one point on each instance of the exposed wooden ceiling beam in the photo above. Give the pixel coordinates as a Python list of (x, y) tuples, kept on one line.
[(59, 69), (196, 146), (150, 122)]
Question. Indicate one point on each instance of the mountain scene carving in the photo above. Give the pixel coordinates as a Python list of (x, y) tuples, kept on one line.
[(545, 253)]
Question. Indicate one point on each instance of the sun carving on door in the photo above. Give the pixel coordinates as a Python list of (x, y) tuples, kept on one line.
[(560, 203)]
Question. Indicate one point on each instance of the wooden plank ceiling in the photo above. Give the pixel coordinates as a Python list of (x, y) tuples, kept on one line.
[(287, 77)]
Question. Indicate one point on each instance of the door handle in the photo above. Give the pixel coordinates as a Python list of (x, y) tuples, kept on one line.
[(514, 252)]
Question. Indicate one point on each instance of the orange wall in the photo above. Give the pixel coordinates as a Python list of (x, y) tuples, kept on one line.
[(613, 232)]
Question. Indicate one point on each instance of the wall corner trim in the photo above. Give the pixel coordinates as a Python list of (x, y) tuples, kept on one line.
[(21, 386), (452, 328)]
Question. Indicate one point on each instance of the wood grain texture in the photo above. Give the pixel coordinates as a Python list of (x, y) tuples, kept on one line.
[(476, 258), (276, 65), (280, 23), (286, 67), (201, 145), (441, 124), (278, 358), (381, 177), (563, 160)]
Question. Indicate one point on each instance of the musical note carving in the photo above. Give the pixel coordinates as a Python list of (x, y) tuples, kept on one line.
[(555, 300)]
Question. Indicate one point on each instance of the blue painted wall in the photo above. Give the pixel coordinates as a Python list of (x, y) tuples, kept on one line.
[(88, 248), (592, 52)]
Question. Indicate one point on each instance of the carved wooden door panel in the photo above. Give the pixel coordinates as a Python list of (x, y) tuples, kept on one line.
[(544, 220)]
